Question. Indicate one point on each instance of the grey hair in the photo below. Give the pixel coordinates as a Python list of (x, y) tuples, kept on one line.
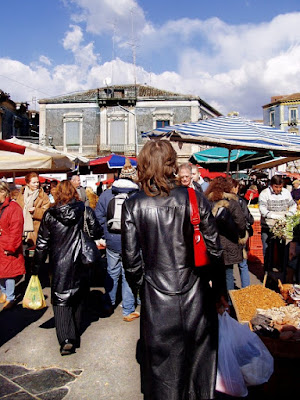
[(185, 166), (4, 188)]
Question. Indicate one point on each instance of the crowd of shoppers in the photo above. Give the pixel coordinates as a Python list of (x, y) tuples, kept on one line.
[(144, 222)]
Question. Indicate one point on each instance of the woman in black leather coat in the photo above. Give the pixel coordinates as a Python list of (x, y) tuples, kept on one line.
[(179, 325), (59, 235)]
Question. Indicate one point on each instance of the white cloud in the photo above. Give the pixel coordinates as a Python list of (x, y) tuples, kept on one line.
[(45, 60), (232, 67), (84, 55), (103, 16), (73, 38)]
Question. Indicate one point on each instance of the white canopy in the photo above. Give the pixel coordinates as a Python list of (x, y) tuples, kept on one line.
[(274, 163), (35, 158)]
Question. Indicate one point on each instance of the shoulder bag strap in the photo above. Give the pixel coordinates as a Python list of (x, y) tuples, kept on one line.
[(85, 224), (194, 210), (194, 214)]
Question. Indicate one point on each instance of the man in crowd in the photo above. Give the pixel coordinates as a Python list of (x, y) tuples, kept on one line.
[(110, 221), (75, 180), (198, 178), (275, 202), (186, 177)]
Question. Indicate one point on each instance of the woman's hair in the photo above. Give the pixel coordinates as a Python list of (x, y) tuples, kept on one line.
[(92, 197), (4, 188), (31, 175), (217, 187), (157, 167), (64, 193), (235, 183), (253, 187)]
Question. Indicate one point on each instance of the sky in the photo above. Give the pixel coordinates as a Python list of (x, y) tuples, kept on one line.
[(234, 54)]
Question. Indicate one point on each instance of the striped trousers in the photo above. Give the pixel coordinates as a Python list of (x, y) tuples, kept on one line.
[(67, 322)]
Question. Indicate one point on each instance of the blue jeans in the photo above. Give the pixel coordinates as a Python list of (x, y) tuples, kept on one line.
[(244, 273), (229, 277), (114, 270), (7, 286)]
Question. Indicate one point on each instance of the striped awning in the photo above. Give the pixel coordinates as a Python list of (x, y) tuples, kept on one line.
[(233, 133)]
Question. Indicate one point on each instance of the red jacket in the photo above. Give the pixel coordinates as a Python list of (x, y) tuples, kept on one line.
[(11, 229)]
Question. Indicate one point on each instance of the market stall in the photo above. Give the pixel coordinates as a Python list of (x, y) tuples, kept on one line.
[(275, 317)]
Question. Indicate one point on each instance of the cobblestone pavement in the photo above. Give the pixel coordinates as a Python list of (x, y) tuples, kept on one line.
[(17, 382)]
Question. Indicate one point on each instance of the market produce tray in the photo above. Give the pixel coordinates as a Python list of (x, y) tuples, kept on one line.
[(245, 301), (236, 309)]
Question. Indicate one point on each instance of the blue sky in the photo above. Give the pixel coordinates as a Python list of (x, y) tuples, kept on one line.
[(234, 54)]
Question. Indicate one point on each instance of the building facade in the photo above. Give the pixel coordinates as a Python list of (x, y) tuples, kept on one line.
[(112, 119), (16, 120), (283, 113)]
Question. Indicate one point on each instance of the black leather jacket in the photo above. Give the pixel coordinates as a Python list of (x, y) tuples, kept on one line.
[(157, 240), (59, 235)]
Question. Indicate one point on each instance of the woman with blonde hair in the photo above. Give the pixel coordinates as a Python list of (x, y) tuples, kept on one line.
[(179, 324), (60, 237), (92, 197), (11, 252), (34, 202)]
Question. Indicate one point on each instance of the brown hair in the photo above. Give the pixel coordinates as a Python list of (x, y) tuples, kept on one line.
[(31, 175), (235, 183), (64, 193), (157, 167), (217, 187)]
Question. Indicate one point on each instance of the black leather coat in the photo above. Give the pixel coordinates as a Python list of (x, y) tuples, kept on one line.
[(59, 235), (179, 327)]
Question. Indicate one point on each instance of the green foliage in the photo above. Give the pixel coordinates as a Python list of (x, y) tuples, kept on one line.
[(284, 228)]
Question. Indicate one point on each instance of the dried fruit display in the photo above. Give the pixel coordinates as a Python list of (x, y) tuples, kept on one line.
[(247, 300), (282, 316)]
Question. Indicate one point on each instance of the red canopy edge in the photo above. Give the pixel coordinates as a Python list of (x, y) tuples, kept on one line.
[(12, 147)]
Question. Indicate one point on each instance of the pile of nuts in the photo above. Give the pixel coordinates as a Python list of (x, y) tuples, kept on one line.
[(247, 300)]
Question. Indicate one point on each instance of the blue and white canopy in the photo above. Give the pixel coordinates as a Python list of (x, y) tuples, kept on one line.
[(233, 133)]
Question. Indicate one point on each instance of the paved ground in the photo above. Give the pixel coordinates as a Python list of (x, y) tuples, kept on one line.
[(104, 367)]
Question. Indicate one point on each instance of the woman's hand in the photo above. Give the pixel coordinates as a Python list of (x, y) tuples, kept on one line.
[(222, 305), (31, 210)]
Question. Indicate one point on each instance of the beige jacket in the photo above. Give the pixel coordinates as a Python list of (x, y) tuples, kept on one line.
[(41, 204)]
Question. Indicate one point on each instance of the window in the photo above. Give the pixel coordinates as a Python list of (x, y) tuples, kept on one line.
[(272, 118), (72, 132), (293, 116), (162, 117), (117, 132), (162, 123)]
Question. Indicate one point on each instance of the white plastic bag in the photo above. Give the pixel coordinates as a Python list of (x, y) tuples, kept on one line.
[(243, 358)]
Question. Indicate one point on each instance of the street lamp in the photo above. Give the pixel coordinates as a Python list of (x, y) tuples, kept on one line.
[(135, 128)]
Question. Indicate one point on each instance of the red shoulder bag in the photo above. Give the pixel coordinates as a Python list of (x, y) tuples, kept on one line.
[(200, 252)]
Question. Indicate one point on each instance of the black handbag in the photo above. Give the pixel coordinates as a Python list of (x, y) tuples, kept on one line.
[(89, 251)]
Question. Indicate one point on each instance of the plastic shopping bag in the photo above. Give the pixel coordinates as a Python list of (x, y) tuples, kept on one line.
[(34, 297), (243, 358)]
